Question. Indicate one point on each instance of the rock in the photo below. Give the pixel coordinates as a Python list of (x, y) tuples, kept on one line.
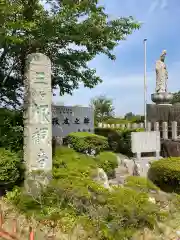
[(166, 230), (136, 169), (122, 179), (151, 199), (144, 235), (121, 170), (162, 197), (170, 148), (121, 158), (102, 178), (113, 182)]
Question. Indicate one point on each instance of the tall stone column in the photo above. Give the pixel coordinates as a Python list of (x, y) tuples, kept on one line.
[(38, 114)]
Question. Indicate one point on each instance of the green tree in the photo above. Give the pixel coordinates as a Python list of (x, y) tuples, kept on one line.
[(103, 108), (11, 129), (176, 98), (133, 117), (129, 115), (71, 33)]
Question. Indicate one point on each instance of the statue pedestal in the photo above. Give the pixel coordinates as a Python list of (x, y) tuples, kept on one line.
[(162, 98)]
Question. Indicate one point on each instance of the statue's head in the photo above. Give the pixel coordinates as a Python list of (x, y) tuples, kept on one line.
[(163, 55)]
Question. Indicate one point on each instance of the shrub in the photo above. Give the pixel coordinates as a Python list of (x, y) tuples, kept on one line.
[(107, 161), (104, 131), (120, 140), (166, 174), (86, 142), (76, 197), (141, 184), (11, 134), (11, 170)]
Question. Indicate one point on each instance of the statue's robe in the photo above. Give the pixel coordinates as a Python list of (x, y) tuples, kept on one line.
[(161, 77)]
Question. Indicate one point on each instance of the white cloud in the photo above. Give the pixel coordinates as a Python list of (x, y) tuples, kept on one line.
[(156, 4), (121, 84), (126, 90), (153, 6)]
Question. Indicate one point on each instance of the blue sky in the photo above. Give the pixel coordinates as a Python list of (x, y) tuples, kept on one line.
[(123, 78)]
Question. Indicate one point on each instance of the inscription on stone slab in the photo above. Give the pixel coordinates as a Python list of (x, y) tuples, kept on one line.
[(40, 136), (41, 114), (142, 142), (42, 159), (40, 77), (40, 93), (67, 119), (38, 113)]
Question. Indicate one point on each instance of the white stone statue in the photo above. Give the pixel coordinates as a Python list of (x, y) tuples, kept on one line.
[(161, 74)]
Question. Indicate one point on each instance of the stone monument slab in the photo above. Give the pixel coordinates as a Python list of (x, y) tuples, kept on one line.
[(145, 142), (37, 113), (67, 119), (142, 142)]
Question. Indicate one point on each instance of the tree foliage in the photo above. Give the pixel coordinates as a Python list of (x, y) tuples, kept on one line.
[(176, 98), (103, 108), (11, 129), (133, 117), (129, 115), (71, 33)]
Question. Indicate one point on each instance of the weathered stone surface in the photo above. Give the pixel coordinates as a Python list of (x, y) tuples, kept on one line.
[(142, 142), (170, 148), (67, 119), (37, 114), (136, 169), (161, 74), (102, 178)]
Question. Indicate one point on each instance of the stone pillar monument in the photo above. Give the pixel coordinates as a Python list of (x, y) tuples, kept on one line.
[(161, 95), (37, 114)]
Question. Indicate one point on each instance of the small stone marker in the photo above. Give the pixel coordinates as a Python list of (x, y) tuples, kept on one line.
[(37, 114), (145, 142)]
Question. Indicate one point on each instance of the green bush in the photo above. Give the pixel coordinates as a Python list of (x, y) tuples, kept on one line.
[(104, 131), (117, 121), (86, 142), (74, 196), (107, 161), (141, 184), (11, 168), (11, 129), (165, 173), (120, 140)]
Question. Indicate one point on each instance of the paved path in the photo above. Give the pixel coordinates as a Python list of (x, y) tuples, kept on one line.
[(143, 163)]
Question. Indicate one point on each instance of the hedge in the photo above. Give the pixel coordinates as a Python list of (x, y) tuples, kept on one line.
[(165, 173), (119, 139), (86, 142)]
